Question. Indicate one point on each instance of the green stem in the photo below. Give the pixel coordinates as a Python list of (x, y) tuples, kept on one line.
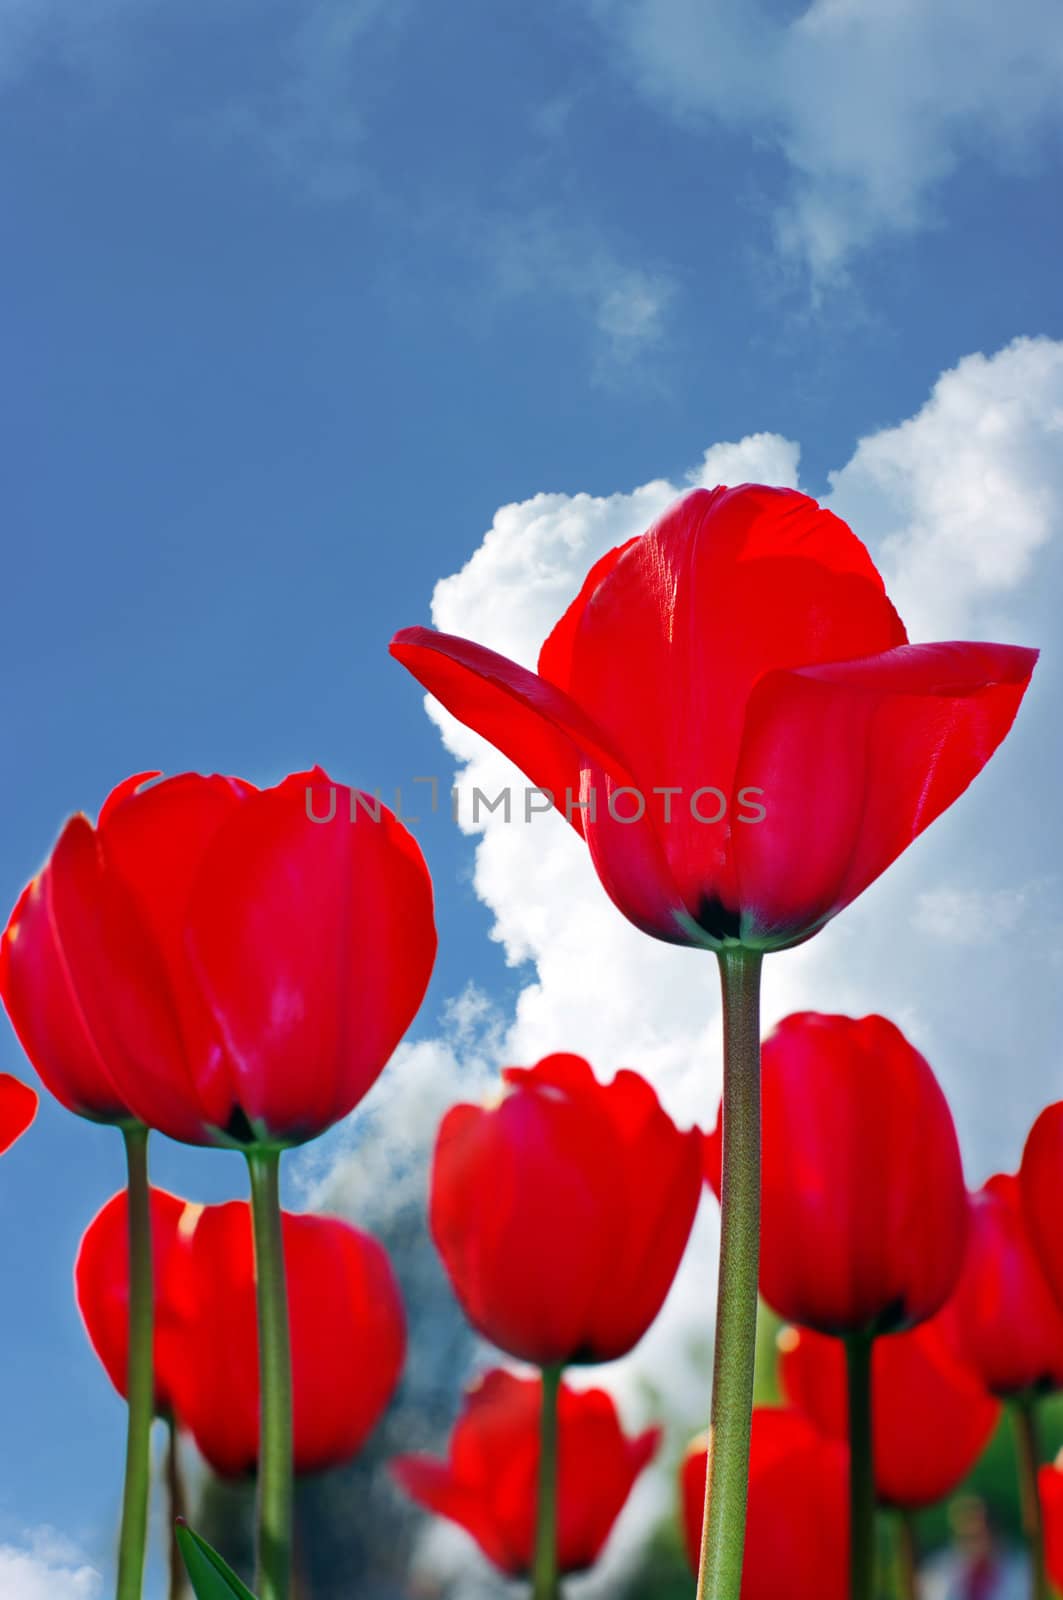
[(907, 1556), (274, 1548), (858, 1349), (544, 1571), (140, 1374), (727, 1478), (177, 1506), (1028, 1452)]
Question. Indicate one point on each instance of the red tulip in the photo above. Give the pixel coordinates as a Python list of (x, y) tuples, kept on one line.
[(18, 1107), (797, 1525), (489, 1485), (864, 1206), (1012, 1326), (742, 655), (932, 1415), (1041, 1186), (1050, 1489), (347, 1327), (101, 1283), (215, 962), (561, 1214)]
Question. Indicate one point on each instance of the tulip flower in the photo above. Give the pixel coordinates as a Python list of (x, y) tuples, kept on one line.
[(1012, 1326), (562, 1212), (932, 1415), (18, 1107), (232, 966), (797, 1532), (488, 1484), (863, 1205), (347, 1328), (732, 717), (864, 1209), (742, 651), (1012, 1329)]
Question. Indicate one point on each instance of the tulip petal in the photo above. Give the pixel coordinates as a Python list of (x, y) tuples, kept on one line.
[(101, 1285), (1041, 1188), (533, 723), (313, 941), (18, 1107), (87, 991), (855, 759), (433, 1486)]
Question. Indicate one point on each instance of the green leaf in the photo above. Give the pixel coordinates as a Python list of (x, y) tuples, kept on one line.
[(212, 1578)]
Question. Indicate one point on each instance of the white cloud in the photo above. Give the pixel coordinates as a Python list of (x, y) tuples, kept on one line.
[(958, 943), (872, 103), (961, 499), (45, 1567)]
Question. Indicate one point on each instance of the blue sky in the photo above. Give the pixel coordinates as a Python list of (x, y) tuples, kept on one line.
[(296, 298)]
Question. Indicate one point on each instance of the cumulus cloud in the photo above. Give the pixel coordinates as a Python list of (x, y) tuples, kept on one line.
[(962, 505), (871, 103), (45, 1567), (962, 499)]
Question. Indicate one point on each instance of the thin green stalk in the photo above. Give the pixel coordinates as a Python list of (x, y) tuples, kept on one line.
[(176, 1506), (906, 1556), (727, 1478), (544, 1571), (140, 1374), (858, 1349), (1027, 1450), (274, 1545)]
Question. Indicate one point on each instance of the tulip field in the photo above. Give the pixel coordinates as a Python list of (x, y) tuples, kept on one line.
[(733, 720)]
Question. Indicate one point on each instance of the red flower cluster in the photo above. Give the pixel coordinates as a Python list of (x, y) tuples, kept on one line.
[(732, 717), (345, 1316), (489, 1484)]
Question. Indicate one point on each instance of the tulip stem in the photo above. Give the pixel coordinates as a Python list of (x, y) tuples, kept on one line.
[(176, 1507), (140, 1373), (727, 1477), (275, 1497), (544, 1572), (907, 1556), (858, 1349), (1027, 1449)]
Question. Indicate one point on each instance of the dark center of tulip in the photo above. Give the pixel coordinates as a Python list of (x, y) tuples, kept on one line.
[(238, 1128), (717, 921)]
